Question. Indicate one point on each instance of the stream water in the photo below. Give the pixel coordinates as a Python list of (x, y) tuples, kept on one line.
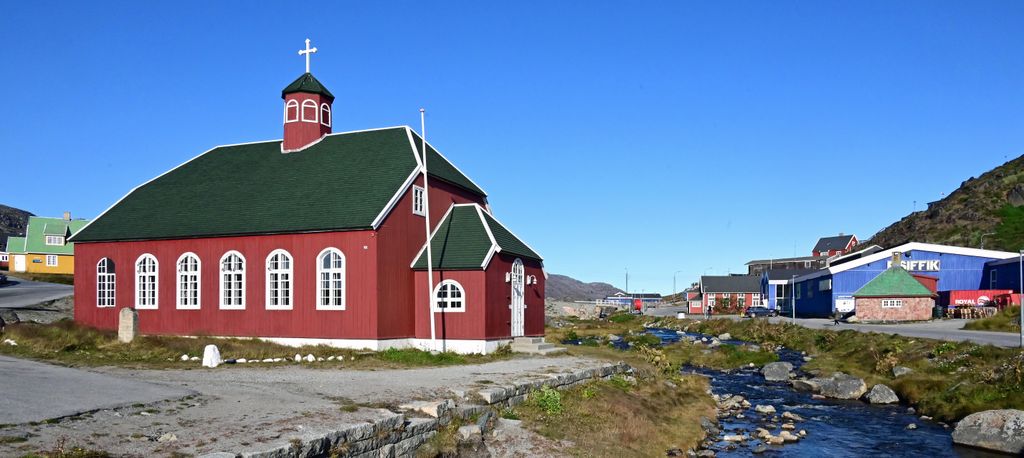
[(835, 428)]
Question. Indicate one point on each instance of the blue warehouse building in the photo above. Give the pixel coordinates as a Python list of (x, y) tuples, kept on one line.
[(819, 293)]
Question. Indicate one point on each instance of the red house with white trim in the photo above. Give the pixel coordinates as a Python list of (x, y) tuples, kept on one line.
[(318, 238)]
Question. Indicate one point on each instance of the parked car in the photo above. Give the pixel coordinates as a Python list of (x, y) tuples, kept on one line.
[(3, 279), (756, 311)]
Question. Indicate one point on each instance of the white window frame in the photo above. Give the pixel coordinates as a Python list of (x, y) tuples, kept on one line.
[(55, 240), (325, 114), (755, 299), (435, 302), (52, 260), (418, 207), (220, 280), (892, 303), (309, 103), (4, 258), (106, 283), (139, 287), (289, 272), (291, 104), (320, 271), (711, 301), (198, 277)]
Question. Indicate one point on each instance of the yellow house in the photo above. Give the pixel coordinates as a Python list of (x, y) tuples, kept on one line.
[(45, 247)]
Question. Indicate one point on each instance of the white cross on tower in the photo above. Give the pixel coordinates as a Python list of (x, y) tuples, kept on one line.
[(307, 52)]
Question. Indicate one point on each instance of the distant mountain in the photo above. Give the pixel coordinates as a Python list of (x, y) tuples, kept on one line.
[(13, 221), (989, 207), (563, 288)]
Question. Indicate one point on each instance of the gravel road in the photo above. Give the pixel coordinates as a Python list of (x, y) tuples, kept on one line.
[(239, 408)]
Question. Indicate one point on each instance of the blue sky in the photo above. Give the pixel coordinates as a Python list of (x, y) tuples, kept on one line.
[(658, 137)]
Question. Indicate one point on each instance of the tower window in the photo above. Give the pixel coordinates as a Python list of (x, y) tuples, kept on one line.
[(325, 115), (309, 109), (291, 111)]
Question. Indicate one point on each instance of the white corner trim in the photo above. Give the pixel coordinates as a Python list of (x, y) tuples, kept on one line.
[(432, 233), (495, 248), (394, 199)]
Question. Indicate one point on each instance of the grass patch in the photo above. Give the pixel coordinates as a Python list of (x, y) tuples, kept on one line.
[(1007, 320), (622, 317), (603, 419), (68, 343), (62, 450), (63, 279), (444, 443)]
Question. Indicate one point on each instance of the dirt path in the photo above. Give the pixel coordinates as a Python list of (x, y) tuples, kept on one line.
[(240, 408)]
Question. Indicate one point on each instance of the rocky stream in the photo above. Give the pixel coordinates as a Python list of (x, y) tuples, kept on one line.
[(767, 416)]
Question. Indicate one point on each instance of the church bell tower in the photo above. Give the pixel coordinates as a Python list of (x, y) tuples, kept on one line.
[(307, 109)]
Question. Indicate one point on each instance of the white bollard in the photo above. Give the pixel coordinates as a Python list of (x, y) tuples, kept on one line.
[(211, 356)]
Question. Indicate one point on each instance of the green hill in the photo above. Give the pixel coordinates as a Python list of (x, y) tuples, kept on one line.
[(989, 209)]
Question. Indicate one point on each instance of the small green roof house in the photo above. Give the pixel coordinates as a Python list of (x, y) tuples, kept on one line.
[(45, 247), (894, 295)]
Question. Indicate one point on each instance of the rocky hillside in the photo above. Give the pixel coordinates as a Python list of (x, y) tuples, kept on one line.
[(12, 222), (563, 288), (992, 204)]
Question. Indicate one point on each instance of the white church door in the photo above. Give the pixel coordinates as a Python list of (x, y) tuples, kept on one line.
[(518, 305), (19, 263)]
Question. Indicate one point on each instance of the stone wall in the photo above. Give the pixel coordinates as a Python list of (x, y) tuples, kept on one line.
[(383, 433), (913, 309)]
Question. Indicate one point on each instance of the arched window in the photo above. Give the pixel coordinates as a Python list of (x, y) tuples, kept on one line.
[(291, 111), (105, 283), (325, 115), (449, 297), (279, 280), (188, 281), (232, 281), (146, 282), (309, 110), (330, 274)]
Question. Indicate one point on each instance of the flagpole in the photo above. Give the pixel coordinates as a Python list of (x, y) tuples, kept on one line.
[(426, 219)]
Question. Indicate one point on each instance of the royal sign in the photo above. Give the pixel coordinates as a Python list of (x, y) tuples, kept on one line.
[(918, 266)]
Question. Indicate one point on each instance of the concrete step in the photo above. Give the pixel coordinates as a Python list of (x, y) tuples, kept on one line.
[(528, 340)]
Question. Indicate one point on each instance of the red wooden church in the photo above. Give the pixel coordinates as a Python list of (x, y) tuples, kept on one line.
[(318, 238)]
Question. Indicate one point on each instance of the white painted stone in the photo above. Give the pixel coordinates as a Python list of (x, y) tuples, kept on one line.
[(298, 358), (310, 358), (184, 357), (127, 325), (194, 358), (211, 356)]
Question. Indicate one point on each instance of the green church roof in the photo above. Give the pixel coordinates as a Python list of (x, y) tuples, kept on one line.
[(344, 182), (309, 84), (894, 282), (466, 238)]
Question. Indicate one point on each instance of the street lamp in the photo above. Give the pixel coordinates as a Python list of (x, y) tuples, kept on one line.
[(1020, 297), (674, 281), (792, 297)]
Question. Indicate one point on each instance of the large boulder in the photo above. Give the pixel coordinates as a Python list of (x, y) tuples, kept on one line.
[(779, 371), (881, 394), (999, 430), (841, 386)]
